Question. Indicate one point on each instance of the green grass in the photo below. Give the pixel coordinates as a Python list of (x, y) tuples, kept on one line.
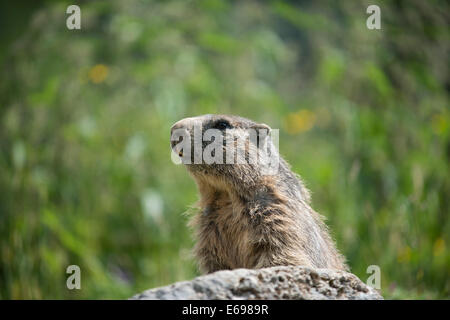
[(85, 170)]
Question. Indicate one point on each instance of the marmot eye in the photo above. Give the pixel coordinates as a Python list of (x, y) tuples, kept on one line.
[(222, 125)]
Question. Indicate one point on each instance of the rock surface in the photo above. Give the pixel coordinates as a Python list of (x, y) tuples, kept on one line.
[(290, 282)]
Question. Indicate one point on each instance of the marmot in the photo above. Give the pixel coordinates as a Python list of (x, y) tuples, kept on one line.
[(247, 219)]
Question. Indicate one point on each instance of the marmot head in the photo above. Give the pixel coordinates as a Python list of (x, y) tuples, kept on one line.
[(224, 149)]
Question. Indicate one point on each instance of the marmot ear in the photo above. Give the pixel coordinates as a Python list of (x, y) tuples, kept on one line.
[(258, 126)]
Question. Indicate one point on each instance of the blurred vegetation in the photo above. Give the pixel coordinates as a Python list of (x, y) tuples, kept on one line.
[(85, 170)]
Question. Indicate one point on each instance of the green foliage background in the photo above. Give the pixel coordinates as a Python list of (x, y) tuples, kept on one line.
[(85, 170)]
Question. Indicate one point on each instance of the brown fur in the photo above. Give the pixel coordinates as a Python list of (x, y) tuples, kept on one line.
[(250, 220)]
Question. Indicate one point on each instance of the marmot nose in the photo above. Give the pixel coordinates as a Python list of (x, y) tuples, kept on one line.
[(183, 127), (187, 124), (177, 125)]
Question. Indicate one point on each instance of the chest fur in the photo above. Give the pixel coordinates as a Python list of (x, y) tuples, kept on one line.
[(225, 233)]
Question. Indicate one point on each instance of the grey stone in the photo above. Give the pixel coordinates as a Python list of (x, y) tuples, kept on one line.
[(291, 282)]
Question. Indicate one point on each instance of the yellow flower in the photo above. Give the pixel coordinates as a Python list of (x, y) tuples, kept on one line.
[(300, 121), (98, 73), (404, 255), (438, 247)]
